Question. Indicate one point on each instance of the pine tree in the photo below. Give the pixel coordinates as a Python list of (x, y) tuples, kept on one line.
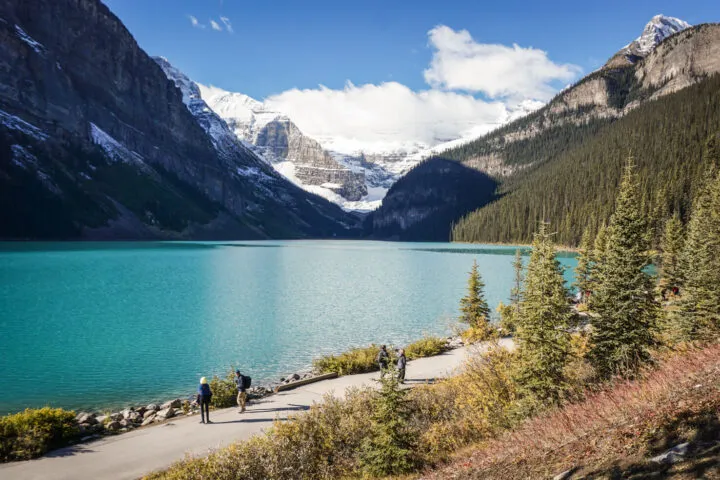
[(509, 313), (583, 271), (388, 450), (672, 248), (473, 307), (597, 260), (700, 305), (624, 332), (542, 337)]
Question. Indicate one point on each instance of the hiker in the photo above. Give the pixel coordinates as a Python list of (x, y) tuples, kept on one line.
[(243, 383), (383, 358), (203, 398), (401, 364)]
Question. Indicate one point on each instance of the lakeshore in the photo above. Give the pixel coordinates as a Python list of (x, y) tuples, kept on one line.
[(156, 448)]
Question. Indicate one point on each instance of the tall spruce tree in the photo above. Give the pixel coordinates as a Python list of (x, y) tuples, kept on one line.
[(700, 306), (516, 291), (672, 248), (624, 332), (473, 306), (597, 260), (583, 271), (542, 336)]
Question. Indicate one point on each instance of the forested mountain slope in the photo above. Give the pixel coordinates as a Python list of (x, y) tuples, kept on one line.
[(666, 137)]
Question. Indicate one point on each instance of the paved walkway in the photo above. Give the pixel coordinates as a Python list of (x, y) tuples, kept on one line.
[(133, 454)]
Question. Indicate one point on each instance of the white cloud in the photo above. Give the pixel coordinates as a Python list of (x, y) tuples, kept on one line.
[(194, 22), (386, 114), (498, 71), (373, 117), (215, 26), (228, 24)]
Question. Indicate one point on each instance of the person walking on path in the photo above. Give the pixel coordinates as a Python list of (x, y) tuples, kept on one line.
[(382, 359), (401, 364), (241, 384), (204, 397)]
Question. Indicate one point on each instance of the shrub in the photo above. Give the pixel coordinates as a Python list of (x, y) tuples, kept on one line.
[(356, 360), (31, 433), (224, 391), (426, 347)]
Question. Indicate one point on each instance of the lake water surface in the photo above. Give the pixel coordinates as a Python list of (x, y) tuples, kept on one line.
[(91, 325)]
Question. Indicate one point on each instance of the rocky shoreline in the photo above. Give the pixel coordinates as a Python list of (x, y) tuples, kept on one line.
[(94, 425)]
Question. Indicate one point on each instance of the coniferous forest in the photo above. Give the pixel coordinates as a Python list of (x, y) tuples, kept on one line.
[(672, 140)]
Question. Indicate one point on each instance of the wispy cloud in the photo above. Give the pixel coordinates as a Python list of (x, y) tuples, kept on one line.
[(215, 26), (228, 25), (194, 22)]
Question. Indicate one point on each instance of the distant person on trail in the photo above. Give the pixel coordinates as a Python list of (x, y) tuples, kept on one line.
[(204, 397), (401, 364), (382, 359), (243, 383)]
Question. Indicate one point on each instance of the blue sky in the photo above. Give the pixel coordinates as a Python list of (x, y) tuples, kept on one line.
[(379, 75), (278, 45)]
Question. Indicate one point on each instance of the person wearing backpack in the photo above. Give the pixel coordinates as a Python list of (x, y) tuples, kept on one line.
[(243, 383), (204, 397), (383, 359)]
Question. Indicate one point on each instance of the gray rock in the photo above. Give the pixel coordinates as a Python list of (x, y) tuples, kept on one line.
[(116, 417), (113, 426), (166, 413), (134, 417), (124, 423), (564, 475), (149, 413), (148, 420), (294, 377), (101, 419), (674, 455), (88, 418), (152, 406), (177, 403)]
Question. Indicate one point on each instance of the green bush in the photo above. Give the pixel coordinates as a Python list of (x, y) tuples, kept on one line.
[(426, 347), (224, 391), (356, 360), (31, 433)]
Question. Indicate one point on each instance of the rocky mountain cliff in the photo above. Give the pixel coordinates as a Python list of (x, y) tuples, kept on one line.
[(669, 56), (95, 142), (274, 137)]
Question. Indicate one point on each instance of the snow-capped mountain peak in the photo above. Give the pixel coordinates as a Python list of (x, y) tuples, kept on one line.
[(657, 29)]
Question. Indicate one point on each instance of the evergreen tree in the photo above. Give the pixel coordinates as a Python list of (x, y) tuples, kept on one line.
[(509, 313), (473, 307), (388, 450), (700, 306), (624, 332), (672, 248), (543, 340), (597, 261), (583, 271)]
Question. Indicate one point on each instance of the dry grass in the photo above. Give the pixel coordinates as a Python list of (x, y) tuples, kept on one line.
[(612, 432)]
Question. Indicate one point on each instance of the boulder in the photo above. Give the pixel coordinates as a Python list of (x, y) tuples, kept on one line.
[(149, 413), (127, 412), (116, 417), (101, 419), (177, 403), (294, 377), (166, 413), (113, 426), (148, 420), (124, 423), (134, 417), (152, 406), (674, 455), (88, 418)]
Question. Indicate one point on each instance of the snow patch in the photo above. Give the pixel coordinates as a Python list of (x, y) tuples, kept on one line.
[(657, 29), (16, 123), (114, 150), (34, 44)]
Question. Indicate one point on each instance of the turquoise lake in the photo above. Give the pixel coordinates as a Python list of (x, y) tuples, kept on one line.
[(103, 325)]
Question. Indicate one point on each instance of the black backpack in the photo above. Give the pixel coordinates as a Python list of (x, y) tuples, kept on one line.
[(246, 381)]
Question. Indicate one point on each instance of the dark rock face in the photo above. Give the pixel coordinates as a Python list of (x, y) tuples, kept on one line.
[(73, 79), (424, 204)]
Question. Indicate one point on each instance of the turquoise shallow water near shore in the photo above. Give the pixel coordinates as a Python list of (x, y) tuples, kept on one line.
[(89, 325)]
